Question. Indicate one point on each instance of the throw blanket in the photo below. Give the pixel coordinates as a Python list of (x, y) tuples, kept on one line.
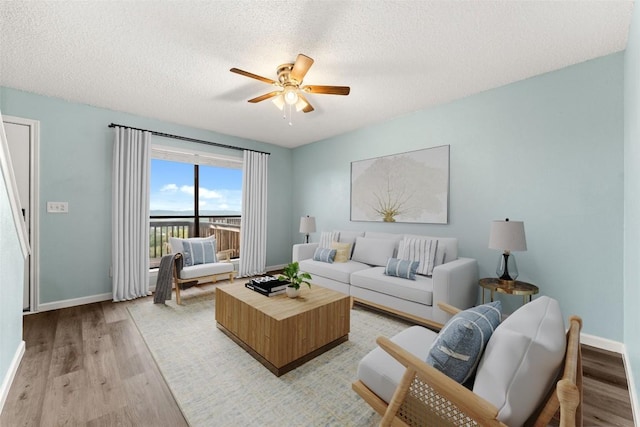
[(165, 278)]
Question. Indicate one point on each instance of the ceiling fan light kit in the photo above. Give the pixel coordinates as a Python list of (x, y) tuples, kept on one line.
[(291, 94)]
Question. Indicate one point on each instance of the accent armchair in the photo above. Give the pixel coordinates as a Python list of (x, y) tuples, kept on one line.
[(196, 260), (424, 396)]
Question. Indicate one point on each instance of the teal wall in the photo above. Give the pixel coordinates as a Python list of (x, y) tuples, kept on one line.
[(11, 279), (75, 166), (547, 150), (632, 201)]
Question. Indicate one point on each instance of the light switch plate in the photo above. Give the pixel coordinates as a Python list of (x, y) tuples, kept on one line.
[(58, 207)]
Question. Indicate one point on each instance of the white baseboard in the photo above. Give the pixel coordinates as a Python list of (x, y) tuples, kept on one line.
[(602, 343), (635, 405), (74, 302), (11, 374), (620, 348)]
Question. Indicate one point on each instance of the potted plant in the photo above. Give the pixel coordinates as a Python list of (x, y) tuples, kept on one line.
[(292, 274)]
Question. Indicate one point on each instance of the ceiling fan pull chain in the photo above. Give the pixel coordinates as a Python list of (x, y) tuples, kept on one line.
[(290, 116)]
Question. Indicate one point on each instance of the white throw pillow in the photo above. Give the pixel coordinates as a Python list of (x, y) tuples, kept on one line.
[(522, 360), (328, 237), (373, 251), (421, 250)]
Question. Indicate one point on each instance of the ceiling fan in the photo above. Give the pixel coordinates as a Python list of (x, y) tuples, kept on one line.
[(289, 83)]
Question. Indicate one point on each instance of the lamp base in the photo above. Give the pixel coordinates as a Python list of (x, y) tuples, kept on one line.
[(507, 270)]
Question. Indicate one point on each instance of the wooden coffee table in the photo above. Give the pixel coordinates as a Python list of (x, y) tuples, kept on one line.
[(282, 333)]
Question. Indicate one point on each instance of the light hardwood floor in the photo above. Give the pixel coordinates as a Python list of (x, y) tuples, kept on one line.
[(89, 366)]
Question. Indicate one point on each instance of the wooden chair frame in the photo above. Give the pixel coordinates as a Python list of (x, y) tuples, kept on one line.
[(440, 401), (226, 254)]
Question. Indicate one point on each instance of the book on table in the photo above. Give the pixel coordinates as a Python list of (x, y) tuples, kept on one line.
[(264, 292), (267, 285)]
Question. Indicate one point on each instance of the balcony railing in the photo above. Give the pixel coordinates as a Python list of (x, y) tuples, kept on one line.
[(226, 230)]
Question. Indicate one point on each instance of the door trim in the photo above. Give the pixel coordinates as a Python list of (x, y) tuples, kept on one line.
[(34, 201)]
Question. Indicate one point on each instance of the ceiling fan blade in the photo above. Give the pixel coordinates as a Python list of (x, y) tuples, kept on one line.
[(328, 90), (300, 68), (265, 96), (253, 76), (308, 107)]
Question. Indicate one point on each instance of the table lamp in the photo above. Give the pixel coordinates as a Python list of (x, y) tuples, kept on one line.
[(307, 225), (507, 236)]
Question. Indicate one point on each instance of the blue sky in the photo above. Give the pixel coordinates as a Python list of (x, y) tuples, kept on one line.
[(172, 187)]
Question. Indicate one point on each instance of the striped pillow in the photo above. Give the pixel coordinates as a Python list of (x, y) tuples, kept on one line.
[(421, 250), (199, 251), (327, 237), (460, 344), (324, 255), (401, 268)]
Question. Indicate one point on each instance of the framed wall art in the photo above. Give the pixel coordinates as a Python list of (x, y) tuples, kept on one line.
[(407, 187)]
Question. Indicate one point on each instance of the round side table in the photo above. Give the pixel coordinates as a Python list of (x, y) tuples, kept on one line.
[(513, 287)]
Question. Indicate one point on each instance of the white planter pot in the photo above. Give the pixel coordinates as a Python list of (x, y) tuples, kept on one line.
[(292, 292)]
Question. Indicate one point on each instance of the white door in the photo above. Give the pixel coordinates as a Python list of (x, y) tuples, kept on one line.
[(21, 136)]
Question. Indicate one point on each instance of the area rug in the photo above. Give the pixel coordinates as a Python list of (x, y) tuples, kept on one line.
[(217, 383)]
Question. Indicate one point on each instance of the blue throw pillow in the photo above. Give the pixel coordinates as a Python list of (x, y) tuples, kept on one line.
[(401, 268), (199, 251), (458, 347), (324, 255)]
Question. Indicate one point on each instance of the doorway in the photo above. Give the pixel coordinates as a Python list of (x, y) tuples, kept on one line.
[(23, 136)]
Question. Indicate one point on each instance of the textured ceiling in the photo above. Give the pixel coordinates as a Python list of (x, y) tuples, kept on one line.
[(171, 60)]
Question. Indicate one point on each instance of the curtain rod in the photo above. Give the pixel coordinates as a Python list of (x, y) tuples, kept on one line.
[(186, 138)]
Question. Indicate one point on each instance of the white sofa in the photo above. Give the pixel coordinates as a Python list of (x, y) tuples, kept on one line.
[(454, 280)]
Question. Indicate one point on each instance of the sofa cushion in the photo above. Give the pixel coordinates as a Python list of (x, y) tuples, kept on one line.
[(397, 238), (421, 250), (327, 237), (374, 279), (522, 359), (349, 236), (340, 272), (196, 250), (402, 268), (447, 247), (382, 235), (373, 251), (343, 251), (324, 255), (461, 342), (381, 373), (208, 269)]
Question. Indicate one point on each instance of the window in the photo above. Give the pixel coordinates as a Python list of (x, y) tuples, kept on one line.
[(194, 195)]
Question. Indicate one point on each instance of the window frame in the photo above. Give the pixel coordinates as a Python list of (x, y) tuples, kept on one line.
[(196, 159)]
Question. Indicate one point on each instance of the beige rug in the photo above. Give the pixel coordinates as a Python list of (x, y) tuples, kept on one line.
[(216, 383)]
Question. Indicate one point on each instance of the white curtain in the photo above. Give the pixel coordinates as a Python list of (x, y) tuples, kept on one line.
[(130, 215), (253, 233)]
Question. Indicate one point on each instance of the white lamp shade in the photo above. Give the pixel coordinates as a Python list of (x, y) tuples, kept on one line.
[(307, 224), (508, 236), (278, 101)]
